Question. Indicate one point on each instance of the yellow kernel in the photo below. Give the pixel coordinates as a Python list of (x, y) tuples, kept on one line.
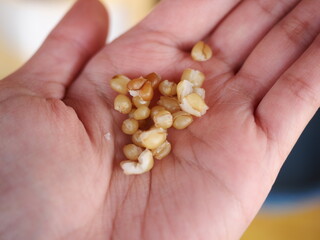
[(155, 110), (162, 151), (184, 88), (119, 83), (153, 138), (138, 102), (132, 151), (146, 92), (153, 127), (194, 105), (180, 113), (141, 113), (201, 52), (200, 91), (163, 119), (130, 114), (130, 126), (122, 104), (144, 164), (136, 138), (168, 88), (154, 78), (181, 120), (136, 83), (169, 103), (194, 76)]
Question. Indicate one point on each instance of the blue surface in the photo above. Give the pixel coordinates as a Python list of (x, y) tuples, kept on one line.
[(287, 199), (299, 178)]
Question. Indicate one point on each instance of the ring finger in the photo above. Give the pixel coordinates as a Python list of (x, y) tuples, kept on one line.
[(278, 50)]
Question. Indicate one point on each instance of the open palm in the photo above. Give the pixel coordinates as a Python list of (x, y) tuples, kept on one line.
[(63, 174)]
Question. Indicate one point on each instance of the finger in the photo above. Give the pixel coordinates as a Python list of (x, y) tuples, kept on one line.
[(186, 21), (278, 50), (239, 33), (80, 34), (287, 108)]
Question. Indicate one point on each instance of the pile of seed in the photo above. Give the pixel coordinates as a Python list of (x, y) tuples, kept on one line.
[(176, 107)]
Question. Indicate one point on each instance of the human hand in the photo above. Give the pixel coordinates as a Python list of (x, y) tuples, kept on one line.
[(60, 177)]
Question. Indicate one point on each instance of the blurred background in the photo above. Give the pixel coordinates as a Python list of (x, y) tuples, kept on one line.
[(24, 24), (292, 209)]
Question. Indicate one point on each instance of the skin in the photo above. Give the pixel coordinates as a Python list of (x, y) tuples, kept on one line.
[(60, 177)]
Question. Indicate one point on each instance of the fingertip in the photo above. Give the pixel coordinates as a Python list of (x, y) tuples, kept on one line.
[(90, 15)]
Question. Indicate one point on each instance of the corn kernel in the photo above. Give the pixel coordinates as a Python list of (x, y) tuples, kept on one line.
[(122, 104), (153, 138), (163, 119), (194, 76), (141, 87), (138, 102), (184, 88), (141, 113), (132, 151), (146, 92), (130, 114), (168, 88), (181, 120), (194, 105), (144, 164), (201, 52), (200, 91), (162, 151), (155, 110), (136, 138), (136, 83), (169, 103), (154, 78), (130, 126), (119, 83), (153, 127)]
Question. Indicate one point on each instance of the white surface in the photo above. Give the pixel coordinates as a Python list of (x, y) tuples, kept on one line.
[(24, 24)]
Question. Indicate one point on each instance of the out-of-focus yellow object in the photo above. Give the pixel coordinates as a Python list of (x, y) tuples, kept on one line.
[(24, 25), (301, 223), (8, 61)]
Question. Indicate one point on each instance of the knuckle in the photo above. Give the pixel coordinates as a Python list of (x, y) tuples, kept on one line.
[(272, 7), (248, 81), (297, 30), (301, 88)]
